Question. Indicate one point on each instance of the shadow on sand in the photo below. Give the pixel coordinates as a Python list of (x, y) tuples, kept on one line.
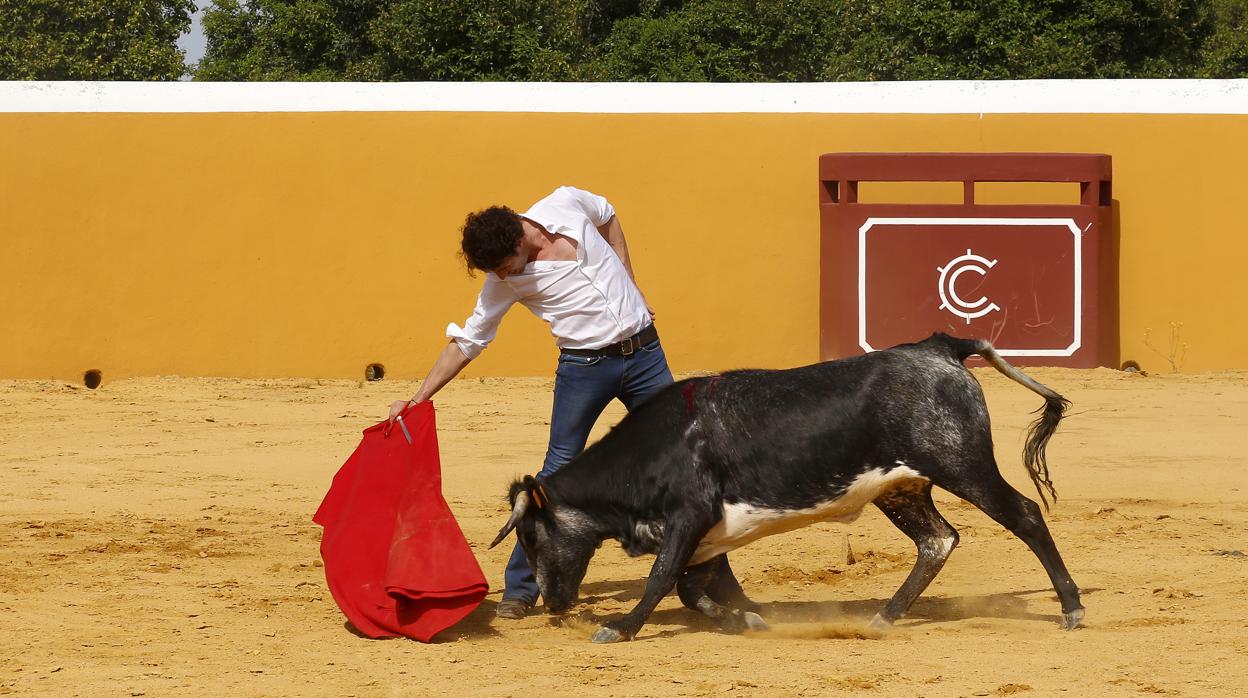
[(1012, 605)]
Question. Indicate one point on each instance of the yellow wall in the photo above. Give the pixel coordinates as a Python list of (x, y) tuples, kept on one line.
[(310, 244)]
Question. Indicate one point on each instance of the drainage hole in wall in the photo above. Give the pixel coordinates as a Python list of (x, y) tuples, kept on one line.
[(92, 378), (374, 372)]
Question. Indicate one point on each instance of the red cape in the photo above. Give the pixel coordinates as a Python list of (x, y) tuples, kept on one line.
[(395, 559)]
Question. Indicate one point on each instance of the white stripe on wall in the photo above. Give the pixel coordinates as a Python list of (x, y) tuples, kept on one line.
[(944, 97)]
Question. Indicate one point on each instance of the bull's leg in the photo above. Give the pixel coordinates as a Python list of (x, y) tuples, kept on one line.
[(694, 591), (724, 589), (994, 496), (679, 541), (913, 512), (691, 587)]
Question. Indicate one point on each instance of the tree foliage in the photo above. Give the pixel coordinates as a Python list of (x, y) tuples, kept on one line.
[(670, 40), (412, 39), (395, 39), (1225, 53), (92, 39), (761, 40), (723, 40)]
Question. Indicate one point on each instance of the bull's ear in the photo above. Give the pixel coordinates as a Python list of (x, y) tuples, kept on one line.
[(517, 511), (537, 492)]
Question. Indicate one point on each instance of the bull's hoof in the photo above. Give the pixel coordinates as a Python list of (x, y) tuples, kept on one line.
[(880, 624), (748, 606), (755, 622), (732, 622), (605, 635), (1071, 619)]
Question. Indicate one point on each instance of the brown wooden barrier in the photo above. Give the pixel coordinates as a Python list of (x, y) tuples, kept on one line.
[(1037, 280)]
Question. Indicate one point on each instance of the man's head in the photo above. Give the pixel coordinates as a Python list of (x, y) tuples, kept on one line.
[(491, 238)]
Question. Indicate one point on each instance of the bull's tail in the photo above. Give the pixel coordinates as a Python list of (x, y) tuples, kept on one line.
[(1041, 430)]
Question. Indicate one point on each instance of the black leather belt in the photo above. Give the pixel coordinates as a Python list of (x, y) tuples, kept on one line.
[(623, 348)]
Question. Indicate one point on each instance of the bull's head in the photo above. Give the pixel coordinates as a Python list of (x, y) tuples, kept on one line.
[(554, 537)]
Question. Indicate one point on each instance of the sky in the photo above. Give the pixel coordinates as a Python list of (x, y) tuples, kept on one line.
[(193, 41)]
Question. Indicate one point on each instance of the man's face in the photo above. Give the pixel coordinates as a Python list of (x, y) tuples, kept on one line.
[(513, 264)]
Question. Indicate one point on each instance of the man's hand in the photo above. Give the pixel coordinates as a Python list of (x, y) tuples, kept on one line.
[(396, 408)]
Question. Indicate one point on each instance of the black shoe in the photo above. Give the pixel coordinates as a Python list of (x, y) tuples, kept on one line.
[(512, 609)]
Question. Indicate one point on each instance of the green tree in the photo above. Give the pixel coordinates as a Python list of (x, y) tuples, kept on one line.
[(729, 41), (287, 39), (481, 40), (1225, 54), (1026, 39), (92, 39), (401, 39), (763, 40), (722, 40)]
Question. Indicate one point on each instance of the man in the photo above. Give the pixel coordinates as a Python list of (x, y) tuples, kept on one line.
[(566, 260)]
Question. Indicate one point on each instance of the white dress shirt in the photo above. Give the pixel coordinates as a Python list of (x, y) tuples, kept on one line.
[(590, 302)]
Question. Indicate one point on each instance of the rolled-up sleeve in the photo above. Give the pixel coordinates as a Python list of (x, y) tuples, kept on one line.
[(597, 208), (479, 330)]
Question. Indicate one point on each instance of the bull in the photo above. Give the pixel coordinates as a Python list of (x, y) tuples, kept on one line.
[(710, 464)]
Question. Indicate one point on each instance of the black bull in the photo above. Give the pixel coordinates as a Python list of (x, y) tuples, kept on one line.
[(710, 464)]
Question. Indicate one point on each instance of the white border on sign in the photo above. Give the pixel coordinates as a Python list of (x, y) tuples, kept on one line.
[(1069, 223)]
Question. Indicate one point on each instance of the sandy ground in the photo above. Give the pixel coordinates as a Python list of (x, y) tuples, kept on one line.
[(155, 539)]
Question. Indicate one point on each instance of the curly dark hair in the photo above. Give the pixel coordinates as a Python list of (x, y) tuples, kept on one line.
[(490, 237)]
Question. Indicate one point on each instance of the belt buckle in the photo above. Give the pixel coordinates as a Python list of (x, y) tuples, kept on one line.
[(626, 347)]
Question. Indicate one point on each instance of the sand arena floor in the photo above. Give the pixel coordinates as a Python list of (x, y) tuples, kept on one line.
[(155, 539)]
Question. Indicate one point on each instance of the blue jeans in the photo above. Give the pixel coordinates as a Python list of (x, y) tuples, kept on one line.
[(584, 386)]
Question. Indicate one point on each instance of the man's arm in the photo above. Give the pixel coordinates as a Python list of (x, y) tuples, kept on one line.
[(448, 365), (613, 233), (466, 342)]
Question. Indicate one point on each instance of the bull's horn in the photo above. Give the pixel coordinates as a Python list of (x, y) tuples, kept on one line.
[(517, 510)]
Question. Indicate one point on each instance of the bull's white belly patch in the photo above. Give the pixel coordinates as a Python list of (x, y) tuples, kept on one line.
[(743, 522)]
